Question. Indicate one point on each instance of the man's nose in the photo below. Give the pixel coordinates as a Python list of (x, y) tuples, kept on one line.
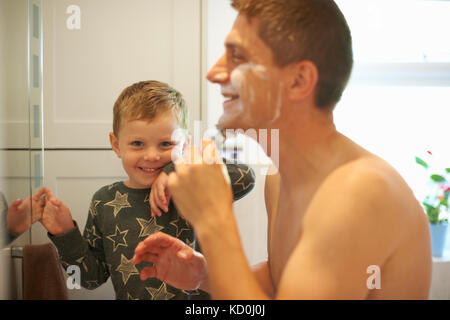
[(219, 73)]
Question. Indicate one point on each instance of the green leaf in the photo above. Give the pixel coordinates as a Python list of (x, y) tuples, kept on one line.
[(437, 178), (444, 202), (447, 170), (422, 163)]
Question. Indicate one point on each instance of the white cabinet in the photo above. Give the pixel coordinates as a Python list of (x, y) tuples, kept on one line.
[(118, 43)]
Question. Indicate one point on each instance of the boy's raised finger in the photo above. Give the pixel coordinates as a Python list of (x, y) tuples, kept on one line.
[(153, 206), (161, 197), (16, 202), (39, 194)]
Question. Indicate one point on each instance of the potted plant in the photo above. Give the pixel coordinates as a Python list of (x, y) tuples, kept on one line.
[(436, 207)]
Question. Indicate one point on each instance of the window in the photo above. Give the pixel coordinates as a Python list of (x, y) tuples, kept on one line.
[(397, 103)]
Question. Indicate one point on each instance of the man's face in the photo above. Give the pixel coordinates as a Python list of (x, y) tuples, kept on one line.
[(146, 147), (251, 83)]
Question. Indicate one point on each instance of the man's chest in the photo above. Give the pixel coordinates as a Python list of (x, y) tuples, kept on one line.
[(285, 231)]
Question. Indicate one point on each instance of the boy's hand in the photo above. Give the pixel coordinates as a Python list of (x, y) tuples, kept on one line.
[(22, 214), (56, 217), (174, 262), (159, 195)]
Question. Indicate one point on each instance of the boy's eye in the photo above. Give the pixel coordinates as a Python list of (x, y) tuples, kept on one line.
[(167, 144), (137, 144)]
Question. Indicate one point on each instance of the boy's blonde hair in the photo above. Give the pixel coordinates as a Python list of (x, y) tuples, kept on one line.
[(146, 100)]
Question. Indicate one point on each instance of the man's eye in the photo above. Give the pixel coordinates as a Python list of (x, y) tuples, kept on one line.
[(137, 144), (236, 58)]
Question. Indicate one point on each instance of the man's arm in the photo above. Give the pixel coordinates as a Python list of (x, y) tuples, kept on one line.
[(262, 275), (261, 271), (350, 225)]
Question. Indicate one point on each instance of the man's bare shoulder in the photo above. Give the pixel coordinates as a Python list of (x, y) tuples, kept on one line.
[(366, 190), (371, 176)]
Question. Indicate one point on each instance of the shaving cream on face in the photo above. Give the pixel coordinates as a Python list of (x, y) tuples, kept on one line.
[(271, 109)]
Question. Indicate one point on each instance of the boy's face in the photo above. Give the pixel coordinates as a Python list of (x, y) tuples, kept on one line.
[(145, 147)]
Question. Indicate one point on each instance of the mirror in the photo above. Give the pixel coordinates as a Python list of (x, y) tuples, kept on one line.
[(21, 139)]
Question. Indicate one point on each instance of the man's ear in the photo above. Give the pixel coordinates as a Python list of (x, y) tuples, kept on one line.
[(114, 143), (303, 79)]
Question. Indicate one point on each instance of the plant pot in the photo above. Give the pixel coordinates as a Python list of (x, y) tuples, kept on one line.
[(438, 236)]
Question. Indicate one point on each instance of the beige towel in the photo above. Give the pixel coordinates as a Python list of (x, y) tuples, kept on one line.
[(43, 277)]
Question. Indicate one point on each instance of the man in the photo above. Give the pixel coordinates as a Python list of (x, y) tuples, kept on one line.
[(342, 223)]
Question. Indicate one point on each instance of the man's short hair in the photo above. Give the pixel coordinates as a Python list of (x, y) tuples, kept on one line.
[(146, 100), (314, 30)]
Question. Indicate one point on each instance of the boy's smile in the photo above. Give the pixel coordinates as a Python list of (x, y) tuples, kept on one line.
[(145, 147)]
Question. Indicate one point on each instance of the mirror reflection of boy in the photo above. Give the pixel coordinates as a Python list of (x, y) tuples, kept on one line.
[(146, 115), (19, 215)]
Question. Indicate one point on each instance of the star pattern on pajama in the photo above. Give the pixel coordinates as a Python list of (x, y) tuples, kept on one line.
[(126, 268), (82, 262), (241, 180), (160, 293), (118, 238), (120, 201), (148, 227), (93, 208), (92, 236), (179, 228)]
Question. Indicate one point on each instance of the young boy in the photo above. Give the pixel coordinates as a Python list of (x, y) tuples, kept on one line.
[(146, 115)]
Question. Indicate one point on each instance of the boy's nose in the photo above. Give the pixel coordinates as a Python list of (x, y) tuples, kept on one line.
[(219, 73), (152, 155)]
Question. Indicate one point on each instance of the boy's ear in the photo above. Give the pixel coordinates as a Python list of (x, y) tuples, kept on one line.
[(114, 143)]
